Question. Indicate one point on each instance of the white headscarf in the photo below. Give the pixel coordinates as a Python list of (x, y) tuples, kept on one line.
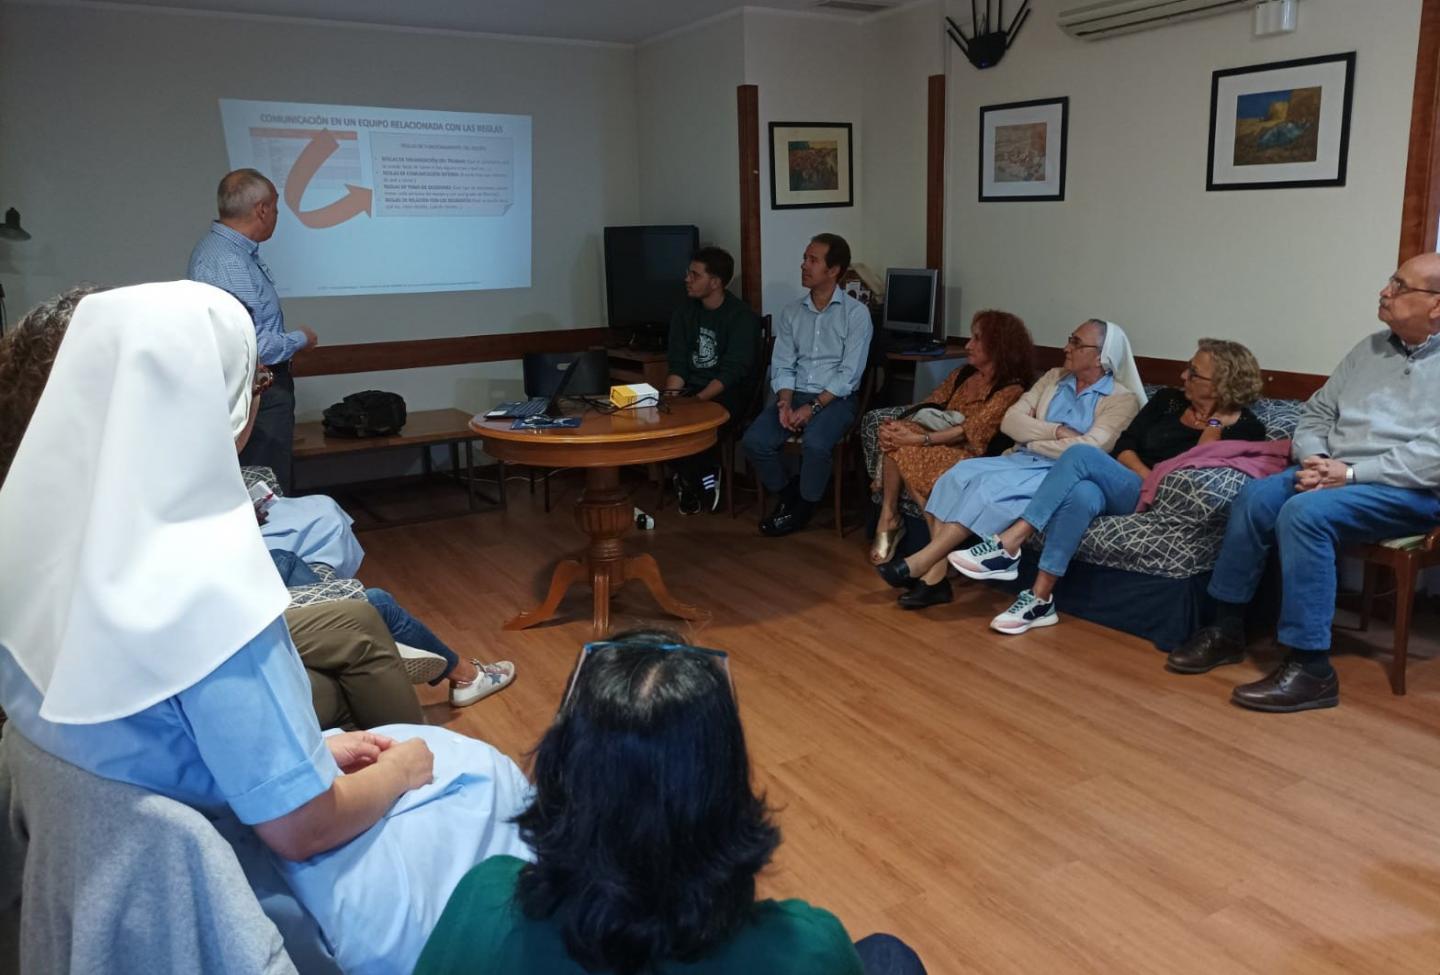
[(130, 561), (1116, 359)]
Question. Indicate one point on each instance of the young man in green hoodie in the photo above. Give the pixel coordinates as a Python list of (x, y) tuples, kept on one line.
[(714, 344)]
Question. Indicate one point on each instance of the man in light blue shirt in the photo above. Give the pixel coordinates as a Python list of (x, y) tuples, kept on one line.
[(822, 345), (229, 258)]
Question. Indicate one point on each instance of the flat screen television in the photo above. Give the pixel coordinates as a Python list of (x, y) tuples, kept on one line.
[(910, 300), (645, 277)]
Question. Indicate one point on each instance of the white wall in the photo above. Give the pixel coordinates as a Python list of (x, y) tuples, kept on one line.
[(902, 50), (809, 68), (112, 148), (1292, 273), (689, 160)]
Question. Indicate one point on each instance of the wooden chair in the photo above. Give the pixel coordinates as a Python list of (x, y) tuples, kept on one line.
[(844, 452), (731, 434), (1405, 558)]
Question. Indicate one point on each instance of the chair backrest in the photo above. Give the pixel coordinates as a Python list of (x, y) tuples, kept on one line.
[(544, 370), (118, 879), (760, 389)]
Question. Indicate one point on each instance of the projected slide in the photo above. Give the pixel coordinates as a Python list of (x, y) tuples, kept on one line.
[(386, 200)]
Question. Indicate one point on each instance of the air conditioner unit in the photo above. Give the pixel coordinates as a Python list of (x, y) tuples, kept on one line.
[(1095, 21)]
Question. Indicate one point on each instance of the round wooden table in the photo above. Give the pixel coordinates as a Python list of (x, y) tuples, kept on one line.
[(602, 444)]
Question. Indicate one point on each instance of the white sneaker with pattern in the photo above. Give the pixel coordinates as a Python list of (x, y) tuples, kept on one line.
[(1025, 612)]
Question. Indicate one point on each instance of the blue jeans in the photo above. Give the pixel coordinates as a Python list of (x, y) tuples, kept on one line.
[(1310, 528), (885, 954), (1085, 483), (403, 627), (766, 438)]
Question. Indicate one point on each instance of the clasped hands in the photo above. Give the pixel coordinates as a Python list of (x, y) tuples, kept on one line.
[(355, 750), (794, 418), (894, 434), (1320, 472)]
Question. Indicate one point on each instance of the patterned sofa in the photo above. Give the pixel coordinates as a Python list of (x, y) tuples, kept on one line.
[(1146, 573), (330, 587)]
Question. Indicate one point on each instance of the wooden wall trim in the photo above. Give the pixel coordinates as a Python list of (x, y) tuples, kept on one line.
[(747, 110), (333, 360), (1278, 385), (1422, 170), (935, 175)]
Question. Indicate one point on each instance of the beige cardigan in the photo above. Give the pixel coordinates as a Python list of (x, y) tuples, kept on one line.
[(1025, 425)]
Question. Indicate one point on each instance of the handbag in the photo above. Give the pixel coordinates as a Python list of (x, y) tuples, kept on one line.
[(934, 419)]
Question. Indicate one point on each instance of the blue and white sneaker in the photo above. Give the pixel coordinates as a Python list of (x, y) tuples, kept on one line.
[(1026, 611), (986, 560)]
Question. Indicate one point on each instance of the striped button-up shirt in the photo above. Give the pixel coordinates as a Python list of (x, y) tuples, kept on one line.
[(231, 261), (821, 350)]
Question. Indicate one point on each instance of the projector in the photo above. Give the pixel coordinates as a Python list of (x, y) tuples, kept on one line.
[(634, 396)]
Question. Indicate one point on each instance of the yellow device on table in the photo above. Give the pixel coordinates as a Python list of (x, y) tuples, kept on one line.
[(634, 396)]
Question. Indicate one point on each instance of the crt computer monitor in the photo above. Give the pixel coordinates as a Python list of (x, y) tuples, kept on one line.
[(910, 300)]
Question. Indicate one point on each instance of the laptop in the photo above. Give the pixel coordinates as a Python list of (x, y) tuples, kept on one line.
[(538, 405)]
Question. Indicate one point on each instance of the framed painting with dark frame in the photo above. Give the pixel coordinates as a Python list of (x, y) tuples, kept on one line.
[(1281, 125), (811, 165), (1022, 150)]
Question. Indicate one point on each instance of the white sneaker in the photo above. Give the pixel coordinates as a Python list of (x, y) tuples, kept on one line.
[(421, 666), (986, 559), (1026, 611), (493, 677)]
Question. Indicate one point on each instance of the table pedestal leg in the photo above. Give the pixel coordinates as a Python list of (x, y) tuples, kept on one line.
[(603, 513)]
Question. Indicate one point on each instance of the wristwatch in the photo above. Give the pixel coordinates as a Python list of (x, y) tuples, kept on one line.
[(927, 441), (1349, 475), (816, 406)]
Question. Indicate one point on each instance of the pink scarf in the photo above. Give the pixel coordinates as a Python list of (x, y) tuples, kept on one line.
[(1253, 458)]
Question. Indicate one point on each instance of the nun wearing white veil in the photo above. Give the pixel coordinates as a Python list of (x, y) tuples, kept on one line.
[(1091, 399), (141, 635)]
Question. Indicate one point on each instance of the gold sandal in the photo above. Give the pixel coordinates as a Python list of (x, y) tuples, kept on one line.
[(883, 550)]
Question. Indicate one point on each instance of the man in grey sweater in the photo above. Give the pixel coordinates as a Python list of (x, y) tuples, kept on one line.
[(1368, 453)]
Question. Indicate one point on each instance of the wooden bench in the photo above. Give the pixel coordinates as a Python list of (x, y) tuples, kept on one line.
[(423, 429)]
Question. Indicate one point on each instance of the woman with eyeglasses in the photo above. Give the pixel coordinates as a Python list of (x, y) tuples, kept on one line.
[(1219, 383), (647, 838), (142, 636), (1089, 400)]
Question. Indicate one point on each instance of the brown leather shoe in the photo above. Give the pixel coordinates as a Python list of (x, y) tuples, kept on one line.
[(1287, 689), (1208, 647)]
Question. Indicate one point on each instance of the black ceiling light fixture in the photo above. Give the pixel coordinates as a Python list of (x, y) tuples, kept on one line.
[(989, 40), (11, 229)]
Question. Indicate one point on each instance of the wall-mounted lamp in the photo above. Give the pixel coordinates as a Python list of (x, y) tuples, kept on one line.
[(11, 229)]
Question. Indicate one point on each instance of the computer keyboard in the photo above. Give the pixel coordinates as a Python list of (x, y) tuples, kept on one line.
[(530, 407)]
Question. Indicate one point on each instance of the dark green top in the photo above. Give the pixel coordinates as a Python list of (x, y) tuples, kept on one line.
[(483, 932), (719, 344)]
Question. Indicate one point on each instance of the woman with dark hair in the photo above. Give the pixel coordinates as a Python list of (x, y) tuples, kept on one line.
[(955, 422), (647, 837)]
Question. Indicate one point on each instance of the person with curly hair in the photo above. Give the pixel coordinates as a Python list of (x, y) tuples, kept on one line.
[(955, 422), (647, 836), (1219, 383)]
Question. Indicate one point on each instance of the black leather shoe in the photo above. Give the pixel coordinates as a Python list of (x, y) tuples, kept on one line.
[(924, 595), (897, 574), (1208, 647), (1287, 689), (788, 517)]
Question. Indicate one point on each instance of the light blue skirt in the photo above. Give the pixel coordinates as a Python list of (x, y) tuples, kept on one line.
[(316, 529), (987, 494)]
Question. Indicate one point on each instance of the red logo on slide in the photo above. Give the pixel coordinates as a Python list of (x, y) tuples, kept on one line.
[(355, 201)]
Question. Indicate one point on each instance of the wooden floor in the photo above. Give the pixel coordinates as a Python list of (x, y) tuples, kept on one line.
[(1049, 803)]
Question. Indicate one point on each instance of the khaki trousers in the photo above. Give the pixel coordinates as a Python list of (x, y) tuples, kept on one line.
[(356, 680)]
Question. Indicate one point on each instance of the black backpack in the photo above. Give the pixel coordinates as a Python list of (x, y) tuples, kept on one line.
[(368, 414)]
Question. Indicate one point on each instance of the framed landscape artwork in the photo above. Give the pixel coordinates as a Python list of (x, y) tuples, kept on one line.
[(1280, 125), (810, 165), (1022, 150)]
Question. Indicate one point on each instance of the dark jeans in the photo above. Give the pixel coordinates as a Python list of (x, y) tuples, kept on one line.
[(1310, 529), (885, 954), (403, 627), (766, 438), (273, 438), (691, 469)]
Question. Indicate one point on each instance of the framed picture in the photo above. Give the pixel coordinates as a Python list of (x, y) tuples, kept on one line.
[(1280, 125), (811, 165), (1022, 150)]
